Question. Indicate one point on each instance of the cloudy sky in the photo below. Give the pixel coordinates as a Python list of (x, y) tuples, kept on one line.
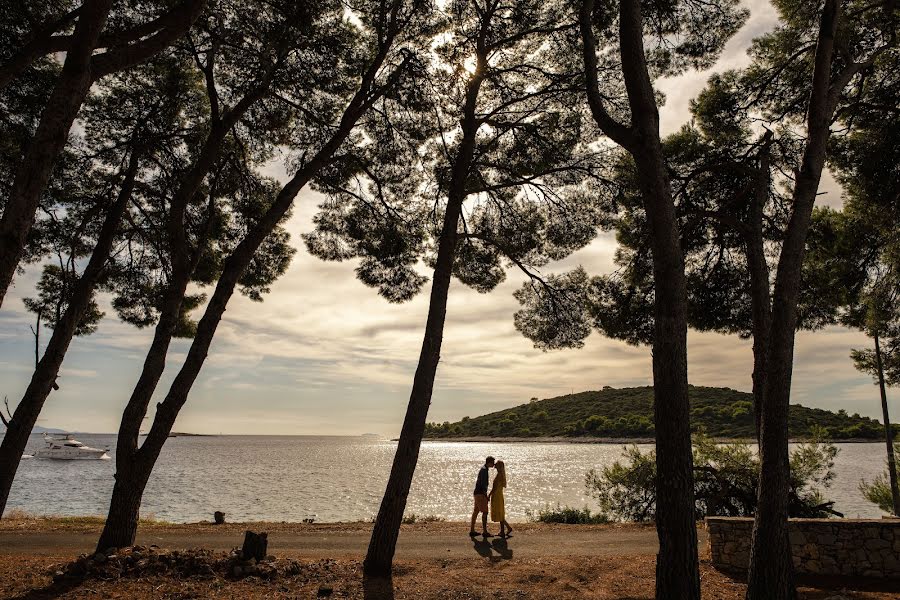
[(323, 354)]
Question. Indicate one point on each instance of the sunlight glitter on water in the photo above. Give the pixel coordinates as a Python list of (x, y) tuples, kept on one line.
[(342, 478)]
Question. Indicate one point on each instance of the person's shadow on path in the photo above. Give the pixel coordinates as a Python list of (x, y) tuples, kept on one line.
[(482, 547), (502, 547), (487, 549)]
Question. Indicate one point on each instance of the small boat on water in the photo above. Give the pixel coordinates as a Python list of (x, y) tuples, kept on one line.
[(66, 447)]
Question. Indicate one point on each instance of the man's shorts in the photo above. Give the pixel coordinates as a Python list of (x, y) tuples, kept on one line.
[(481, 503)]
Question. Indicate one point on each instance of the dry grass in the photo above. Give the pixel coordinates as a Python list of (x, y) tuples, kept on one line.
[(15, 519), (551, 578)]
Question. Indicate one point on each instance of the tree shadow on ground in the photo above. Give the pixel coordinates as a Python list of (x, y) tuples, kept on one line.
[(378, 588), (52, 590)]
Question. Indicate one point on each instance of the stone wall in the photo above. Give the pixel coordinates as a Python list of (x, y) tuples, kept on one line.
[(849, 547)]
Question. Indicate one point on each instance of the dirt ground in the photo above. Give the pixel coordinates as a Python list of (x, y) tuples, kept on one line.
[(491, 568)]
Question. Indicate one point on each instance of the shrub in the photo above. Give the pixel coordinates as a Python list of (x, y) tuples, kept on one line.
[(879, 491), (725, 481), (413, 518), (566, 515), (626, 492)]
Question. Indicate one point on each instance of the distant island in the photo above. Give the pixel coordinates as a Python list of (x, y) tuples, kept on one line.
[(627, 414)]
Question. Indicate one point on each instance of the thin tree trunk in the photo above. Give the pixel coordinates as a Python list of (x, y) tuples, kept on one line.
[(760, 293), (383, 543), (34, 171), (47, 369), (771, 574), (888, 432)]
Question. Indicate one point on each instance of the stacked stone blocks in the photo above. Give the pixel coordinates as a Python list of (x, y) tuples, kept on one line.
[(845, 547)]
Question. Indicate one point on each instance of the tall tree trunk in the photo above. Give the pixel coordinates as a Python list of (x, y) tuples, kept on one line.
[(888, 432), (677, 567), (52, 132), (383, 543), (47, 369), (771, 563)]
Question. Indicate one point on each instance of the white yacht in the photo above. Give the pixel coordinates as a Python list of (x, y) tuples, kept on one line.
[(66, 447)]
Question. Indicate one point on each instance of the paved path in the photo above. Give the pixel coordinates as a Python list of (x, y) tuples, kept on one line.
[(333, 544)]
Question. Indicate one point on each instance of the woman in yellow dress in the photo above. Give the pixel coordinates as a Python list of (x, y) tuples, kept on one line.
[(498, 508)]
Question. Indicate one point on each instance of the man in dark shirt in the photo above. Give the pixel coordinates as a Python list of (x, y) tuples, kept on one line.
[(481, 499)]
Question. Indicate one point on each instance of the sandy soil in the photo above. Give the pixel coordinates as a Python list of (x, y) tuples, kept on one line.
[(535, 564)]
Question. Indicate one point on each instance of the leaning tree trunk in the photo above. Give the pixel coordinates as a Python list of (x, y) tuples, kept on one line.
[(135, 464), (386, 529), (52, 132), (132, 473), (888, 432), (771, 571), (47, 369)]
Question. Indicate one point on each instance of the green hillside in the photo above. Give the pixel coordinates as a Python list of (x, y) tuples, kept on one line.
[(628, 412)]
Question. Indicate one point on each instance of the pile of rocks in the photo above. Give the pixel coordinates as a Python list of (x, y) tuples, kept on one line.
[(147, 561)]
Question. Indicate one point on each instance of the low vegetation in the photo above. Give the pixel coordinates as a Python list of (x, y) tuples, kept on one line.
[(628, 413), (566, 515), (726, 477), (878, 491)]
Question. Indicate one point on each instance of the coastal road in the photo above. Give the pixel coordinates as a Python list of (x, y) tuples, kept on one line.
[(443, 540)]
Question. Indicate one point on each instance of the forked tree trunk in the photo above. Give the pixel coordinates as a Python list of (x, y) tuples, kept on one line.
[(888, 432), (52, 132), (771, 563), (677, 567), (47, 369), (134, 464), (132, 470)]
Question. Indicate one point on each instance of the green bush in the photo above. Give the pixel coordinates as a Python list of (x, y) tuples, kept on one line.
[(566, 515), (878, 492), (725, 481), (413, 518)]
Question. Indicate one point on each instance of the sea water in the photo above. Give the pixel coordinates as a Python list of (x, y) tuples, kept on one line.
[(291, 478)]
